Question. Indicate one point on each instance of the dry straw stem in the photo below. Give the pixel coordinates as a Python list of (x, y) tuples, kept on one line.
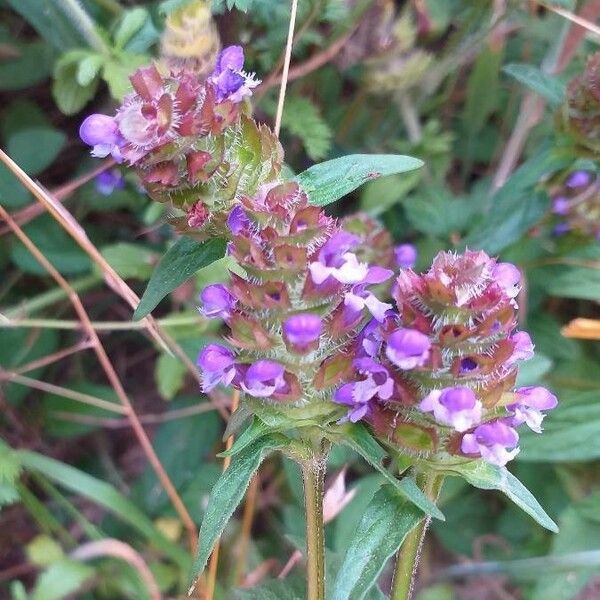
[(113, 378), (112, 278), (583, 329), (117, 549)]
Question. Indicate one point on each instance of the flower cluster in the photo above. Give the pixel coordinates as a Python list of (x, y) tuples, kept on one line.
[(436, 375), (189, 138), (576, 204)]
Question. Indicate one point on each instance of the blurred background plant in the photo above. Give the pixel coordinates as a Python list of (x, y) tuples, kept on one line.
[(499, 98)]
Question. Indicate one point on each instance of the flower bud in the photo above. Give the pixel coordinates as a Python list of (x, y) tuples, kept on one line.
[(408, 348), (217, 301), (302, 332), (217, 365), (406, 256), (263, 379)]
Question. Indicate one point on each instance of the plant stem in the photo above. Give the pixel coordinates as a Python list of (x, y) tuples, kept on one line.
[(313, 476), (84, 24), (407, 560)]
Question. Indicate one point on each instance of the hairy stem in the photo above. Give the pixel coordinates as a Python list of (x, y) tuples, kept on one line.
[(84, 24), (407, 560), (313, 476)]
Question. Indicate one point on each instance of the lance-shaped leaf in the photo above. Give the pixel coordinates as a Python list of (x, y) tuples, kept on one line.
[(329, 181), (547, 86), (227, 494), (361, 441), (385, 523), (180, 262), (253, 432), (491, 477)]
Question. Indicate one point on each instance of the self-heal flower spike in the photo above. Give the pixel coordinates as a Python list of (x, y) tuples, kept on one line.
[(217, 301), (496, 442), (456, 407), (217, 364)]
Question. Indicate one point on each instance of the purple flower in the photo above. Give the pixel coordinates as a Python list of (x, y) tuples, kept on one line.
[(263, 379), (218, 366), (560, 205), (109, 181), (457, 407), (578, 179), (561, 229), (523, 347), (336, 261), (359, 297), (408, 348), (229, 78), (370, 340), (303, 331), (531, 401), (376, 382), (238, 220), (217, 301), (406, 256), (496, 442), (508, 277), (102, 133)]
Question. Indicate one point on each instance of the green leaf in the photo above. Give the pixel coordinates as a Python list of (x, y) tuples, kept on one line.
[(88, 69), (61, 580), (570, 431), (385, 524), (131, 22), (105, 495), (361, 441), (42, 551), (550, 88), (69, 95), (180, 262), (292, 588), (253, 432), (227, 494), (169, 374), (303, 119), (130, 260), (491, 477), (117, 70), (329, 181)]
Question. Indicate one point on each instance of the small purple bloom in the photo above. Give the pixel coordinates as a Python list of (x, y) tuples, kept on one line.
[(109, 181), (218, 366), (561, 229), (406, 256), (335, 260), (229, 78), (263, 379), (217, 301), (496, 442), (303, 331), (523, 347), (358, 298), (408, 348), (457, 407), (238, 221), (531, 401), (508, 277), (579, 179), (358, 410), (560, 205), (370, 339), (102, 133)]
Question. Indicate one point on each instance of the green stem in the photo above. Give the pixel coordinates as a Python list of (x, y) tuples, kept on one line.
[(313, 475), (407, 560), (79, 18)]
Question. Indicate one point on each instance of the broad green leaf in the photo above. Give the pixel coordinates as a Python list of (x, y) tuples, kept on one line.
[(105, 495), (385, 524), (131, 22), (69, 95), (131, 260), (380, 195), (331, 180), (89, 68), (547, 86), (570, 431), (491, 477), (180, 262), (61, 579), (253, 432), (169, 374), (361, 441), (42, 551), (226, 495)]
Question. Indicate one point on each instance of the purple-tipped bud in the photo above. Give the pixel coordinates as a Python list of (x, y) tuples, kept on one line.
[(217, 301), (560, 205), (109, 181), (263, 379), (496, 442), (579, 179), (218, 366), (229, 78), (508, 277), (456, 407), (408, 348), (406, 256), (101, 132), (302, 332), (523, 347), (531, 401)]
